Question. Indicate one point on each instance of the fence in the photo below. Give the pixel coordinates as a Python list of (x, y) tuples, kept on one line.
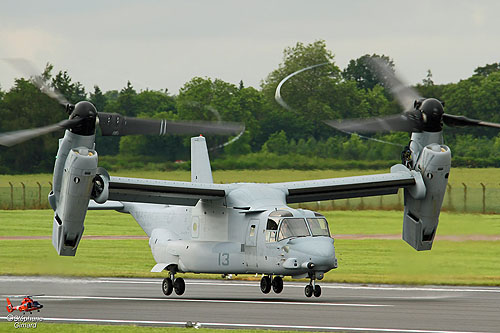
[(471, 198), (19, 196)]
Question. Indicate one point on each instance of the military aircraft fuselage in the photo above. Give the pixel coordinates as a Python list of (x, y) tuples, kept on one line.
[(252, 230)]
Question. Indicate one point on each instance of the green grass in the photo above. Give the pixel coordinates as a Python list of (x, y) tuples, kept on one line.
[(76, 328), (391, 222), (393, 261), (93, 258), (363, 261), (39, 223)]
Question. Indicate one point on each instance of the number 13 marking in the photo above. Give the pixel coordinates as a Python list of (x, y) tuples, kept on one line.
[(223, 259)]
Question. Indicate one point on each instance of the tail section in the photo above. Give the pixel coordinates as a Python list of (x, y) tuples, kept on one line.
[(201, 172), (9, 305)]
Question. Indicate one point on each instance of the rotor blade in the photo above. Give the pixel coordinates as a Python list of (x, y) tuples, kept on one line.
[(12, 138), (399, 122), (116, 124), (404, 94), (459, 121), (233, 140), (277, 94), (27, 68)]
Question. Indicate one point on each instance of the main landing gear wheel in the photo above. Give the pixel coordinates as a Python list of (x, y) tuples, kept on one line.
[(277, 284), (265, 284), (167, 286), (179, 286), (317, 291), (308, 291)]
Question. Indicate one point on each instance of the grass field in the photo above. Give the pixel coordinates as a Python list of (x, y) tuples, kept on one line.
[(39, 223), (77, 328), (363, 261)]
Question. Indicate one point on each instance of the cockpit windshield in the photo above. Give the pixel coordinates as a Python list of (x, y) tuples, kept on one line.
[(319, 226), (292, 227)]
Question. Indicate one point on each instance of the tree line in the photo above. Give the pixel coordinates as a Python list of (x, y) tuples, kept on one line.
[(274, 136)]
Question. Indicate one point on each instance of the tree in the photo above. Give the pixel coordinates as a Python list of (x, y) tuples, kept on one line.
[(73, 91), (239, 147), (359, 70), (277, 143), (216, 100), (98, 99), (487, 69), (24, 107), (428, 79), (309, 94), (127, 102)]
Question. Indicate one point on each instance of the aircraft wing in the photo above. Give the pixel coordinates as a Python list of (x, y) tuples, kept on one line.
[(163, 191), (352, 187)]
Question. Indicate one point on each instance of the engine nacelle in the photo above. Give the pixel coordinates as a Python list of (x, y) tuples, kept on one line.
[(421, 215), (76, 186)]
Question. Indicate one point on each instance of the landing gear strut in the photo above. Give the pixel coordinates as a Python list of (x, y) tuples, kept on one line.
[(312, 288), (276, 283), (172, 284)]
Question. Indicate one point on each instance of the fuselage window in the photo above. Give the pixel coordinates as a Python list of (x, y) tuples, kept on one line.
[(252, 231), (293, 227), (319, 226)]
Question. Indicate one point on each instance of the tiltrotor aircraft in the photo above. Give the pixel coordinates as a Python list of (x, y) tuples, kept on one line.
[(246, 228)]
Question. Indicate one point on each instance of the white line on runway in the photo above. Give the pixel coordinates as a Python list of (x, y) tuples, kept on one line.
[(325, 285), (270, 302), (236, 325), (245, 284)]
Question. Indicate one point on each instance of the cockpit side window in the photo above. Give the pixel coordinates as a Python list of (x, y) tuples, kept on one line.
[(292, 227), (272, 225), (319, 226), (271, 230)]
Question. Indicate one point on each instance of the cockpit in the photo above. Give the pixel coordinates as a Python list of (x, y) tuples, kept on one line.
[(281, 224)]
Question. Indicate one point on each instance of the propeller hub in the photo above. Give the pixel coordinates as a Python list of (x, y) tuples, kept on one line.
[(432, 114), (87, 112)]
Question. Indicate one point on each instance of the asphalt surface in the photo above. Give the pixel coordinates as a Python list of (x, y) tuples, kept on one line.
[(240, 304)]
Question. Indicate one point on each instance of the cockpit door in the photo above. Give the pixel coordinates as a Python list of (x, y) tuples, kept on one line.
[(251, 244)]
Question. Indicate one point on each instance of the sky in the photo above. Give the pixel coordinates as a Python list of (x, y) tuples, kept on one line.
[(164, 44)]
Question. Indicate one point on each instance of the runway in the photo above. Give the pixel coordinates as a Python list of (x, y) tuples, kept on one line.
[(240, 304)]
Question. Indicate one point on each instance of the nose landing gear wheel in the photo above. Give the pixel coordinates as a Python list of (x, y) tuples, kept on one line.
[(317, 291), (308, 291), (167, 286), (277, 284), (265, 284), (179, 286)]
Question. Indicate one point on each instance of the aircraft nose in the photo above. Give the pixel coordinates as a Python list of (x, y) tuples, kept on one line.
[(320, 250)]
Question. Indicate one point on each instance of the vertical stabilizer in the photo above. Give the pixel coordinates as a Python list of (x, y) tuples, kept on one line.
[(201, 172)]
